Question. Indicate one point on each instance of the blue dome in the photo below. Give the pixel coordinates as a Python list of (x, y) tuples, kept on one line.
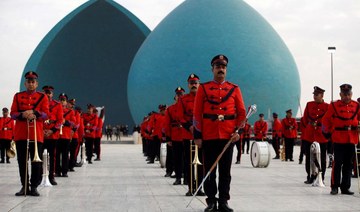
[(187, 39), (88, 56)]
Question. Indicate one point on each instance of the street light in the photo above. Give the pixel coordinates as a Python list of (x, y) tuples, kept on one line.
[(332, 50)]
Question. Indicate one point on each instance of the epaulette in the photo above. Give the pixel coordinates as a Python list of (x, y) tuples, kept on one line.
[(233, 84)]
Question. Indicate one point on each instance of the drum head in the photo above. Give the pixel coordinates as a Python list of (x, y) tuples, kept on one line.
[(260, 154)]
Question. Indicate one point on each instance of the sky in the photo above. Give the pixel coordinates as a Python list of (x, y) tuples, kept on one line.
[(307, 27)]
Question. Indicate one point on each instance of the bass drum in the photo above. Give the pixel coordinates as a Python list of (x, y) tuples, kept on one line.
[(260, 154), (163, 153)]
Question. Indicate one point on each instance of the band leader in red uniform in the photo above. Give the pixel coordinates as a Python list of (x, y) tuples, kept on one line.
[(51, 130), (314, 111), (219, 111), (340, 122), (29, 108)]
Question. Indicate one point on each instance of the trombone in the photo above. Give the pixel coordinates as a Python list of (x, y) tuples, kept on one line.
[(36, 153), (194, 163)]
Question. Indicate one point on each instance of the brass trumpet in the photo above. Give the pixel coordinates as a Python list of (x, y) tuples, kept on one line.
[(194, 163), (12, 151), (282, 150), (36, 153)]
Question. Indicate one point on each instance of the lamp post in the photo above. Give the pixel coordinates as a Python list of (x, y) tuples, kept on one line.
[(332, 50)]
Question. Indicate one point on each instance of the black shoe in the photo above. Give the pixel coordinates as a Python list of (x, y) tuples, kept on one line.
[(347, 192), (57, 175), (150, 162), (167, 175), (291, 160), (71, 170), (65, 175), (7, 161), (22, 192), (52, 181), (34, 192), (188, 194), (225, 207), (276, 157), (185, 182), (334, 191), (211, 207), (177, 182), (200, 193), (90, 162), (97, 159), (2, 161), (237, 162), (300, 161)]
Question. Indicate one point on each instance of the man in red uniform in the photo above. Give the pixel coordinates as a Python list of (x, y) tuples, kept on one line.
[(276, 135), (51, 129), (30, 109), (90, 122), (74, 139), (97, 141), (79, 135), (289, 129), (6, 134), (219, 111), (340, 122), (173, 133), (62, 147), (155, 127), (186, 107), (314, 111), (260, 128)]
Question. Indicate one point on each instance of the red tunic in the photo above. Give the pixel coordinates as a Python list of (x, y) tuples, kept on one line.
[(77, 124), (90, 122), (260, 129), (29, 101), (277, 128), (341, 120), (156, 125), (312, 119), (246, 131), (186, 107), (68, 123), (289, 127), (54, 120), (6, 128), (218, 110), (172, 124), (99, 128)]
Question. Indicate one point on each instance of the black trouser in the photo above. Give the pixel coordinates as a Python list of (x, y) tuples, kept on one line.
[(36, 175), (276, 145), (72, 148), (188, 165), (169, 159), (247, 142), (178, 152), (97, 147), (62, 150), (302, 151), (289, 148), (89, 146), (342, 165), (323, 147), (151, 150), (211, 150), (143, 145), (5, 145), (239, 149), (157, 146), (50, 145)]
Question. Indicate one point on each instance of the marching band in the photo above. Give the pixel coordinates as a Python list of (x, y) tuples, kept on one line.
[(197, 132)]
